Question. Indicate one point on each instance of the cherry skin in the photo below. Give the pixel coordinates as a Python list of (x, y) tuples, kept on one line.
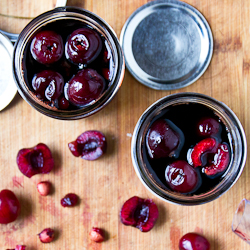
[(48, 85), (86, 86), (9, 207), (181, 177), (83, 46), (208, 126), (193, 241), (164, 139), (47, 47)]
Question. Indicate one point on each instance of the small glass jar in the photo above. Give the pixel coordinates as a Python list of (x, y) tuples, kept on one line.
[(236, 137), (87, 19)]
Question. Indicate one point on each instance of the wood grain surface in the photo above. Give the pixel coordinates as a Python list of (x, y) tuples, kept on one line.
[(105, 184)]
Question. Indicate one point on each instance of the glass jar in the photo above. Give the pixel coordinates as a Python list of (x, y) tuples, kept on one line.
[(237, 141), (67, 14)]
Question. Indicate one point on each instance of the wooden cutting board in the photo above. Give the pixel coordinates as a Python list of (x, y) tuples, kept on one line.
[(105, 184)]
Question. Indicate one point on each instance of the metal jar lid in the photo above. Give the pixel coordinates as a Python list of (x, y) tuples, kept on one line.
[(167, 44), (8, 87)]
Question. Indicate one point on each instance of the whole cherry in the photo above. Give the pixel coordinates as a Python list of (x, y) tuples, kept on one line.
[(85, 87), (47, 47), (181, 177), (83, 46), (48, 85), (9, 207), (193, 241), (164, 139)]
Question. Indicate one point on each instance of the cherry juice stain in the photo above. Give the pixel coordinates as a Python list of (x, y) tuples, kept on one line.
[(48, 205), (175, 236), (17, 181)]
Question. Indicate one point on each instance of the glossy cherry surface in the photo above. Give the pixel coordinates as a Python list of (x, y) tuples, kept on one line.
[(47, 47), (48, 85), (9, 207), (181, 177), (208, 126), (164, 139), (193, 241), (83, 46), (69, 200), (85, 87)]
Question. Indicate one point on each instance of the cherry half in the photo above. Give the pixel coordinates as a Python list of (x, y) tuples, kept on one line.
[(193, 241), (90, 145), (164, 139), (47, 47), (181, 177), (9, 207), (140, 213), (83, 46), (85, 87), (35, 160)]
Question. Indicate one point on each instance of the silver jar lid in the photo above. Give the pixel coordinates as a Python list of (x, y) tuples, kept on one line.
[(8, 87), (167, 44)]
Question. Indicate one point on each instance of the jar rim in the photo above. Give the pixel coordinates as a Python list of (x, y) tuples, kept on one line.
[(86, 17), (235, 130)]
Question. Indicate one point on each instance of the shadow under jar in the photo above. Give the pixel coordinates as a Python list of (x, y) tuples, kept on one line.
[(108, 64), (183, 111)]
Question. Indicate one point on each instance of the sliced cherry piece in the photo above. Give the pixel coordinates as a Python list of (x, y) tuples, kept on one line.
[(181, 177), (86, 86), (83, 46), (220, 161), (47, 47), (90, 145), (193, 241), (140, 213), (69, 200), (9, 207), (18, 247), (35, 160), (208, 126), (201, 149), (48, 84), (164, 139)]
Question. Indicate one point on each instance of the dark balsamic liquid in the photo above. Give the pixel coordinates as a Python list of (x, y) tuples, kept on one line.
[(186, 118), (66, 68)]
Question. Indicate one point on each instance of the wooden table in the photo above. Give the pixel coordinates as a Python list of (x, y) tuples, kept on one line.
[(105, 184)]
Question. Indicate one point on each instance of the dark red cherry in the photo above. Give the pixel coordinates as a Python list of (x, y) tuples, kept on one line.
[(90, 145), (47, 47), (83, 46), (48, 85), (181, 177), (9, 207), (208, 126), (35, 160), (193, 241), (220, 161), (63, 103), (85, 87), (164, 139), (69, 200), (140, 213)]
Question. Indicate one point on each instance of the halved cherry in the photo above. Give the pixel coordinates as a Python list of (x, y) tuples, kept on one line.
[(35, 160), (200, 150), (140, 213), (220, 161)]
